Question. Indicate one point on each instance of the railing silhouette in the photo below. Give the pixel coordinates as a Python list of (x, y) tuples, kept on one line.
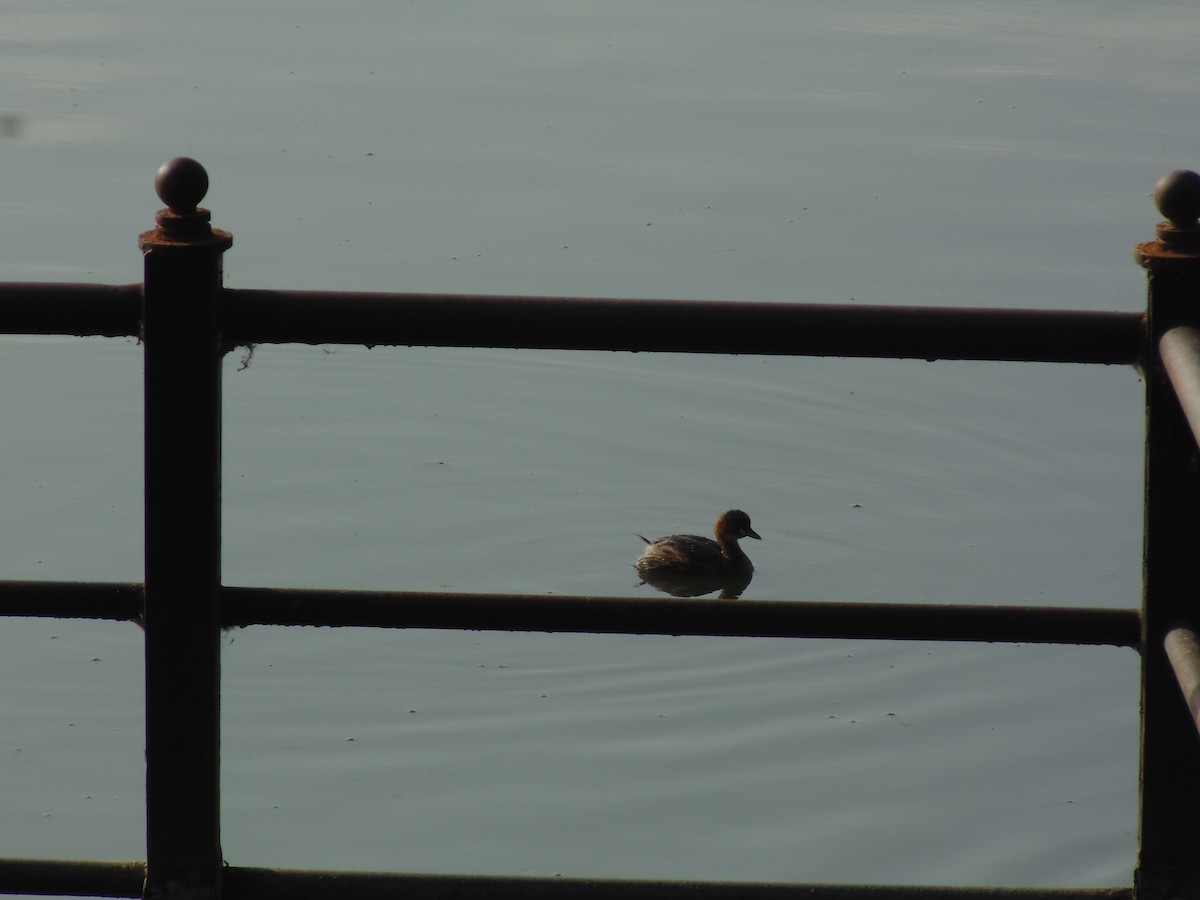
[(187, 321)]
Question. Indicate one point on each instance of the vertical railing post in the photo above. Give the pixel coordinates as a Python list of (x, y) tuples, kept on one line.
[(183, 539), (1169, 816)]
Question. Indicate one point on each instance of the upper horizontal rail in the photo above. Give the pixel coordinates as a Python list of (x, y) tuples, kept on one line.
[(241, 606), (594, 323), (83, 310)]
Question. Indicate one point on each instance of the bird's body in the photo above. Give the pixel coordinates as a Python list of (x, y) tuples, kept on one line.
[(693, 555)]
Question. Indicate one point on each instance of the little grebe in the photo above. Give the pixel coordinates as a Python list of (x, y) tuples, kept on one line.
[(690, 554)]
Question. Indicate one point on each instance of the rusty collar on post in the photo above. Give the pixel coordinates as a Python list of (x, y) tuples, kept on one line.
[(181, 183), (1177, 196)]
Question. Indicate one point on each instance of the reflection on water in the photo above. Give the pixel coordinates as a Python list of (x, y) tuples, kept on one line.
[(731, 587)]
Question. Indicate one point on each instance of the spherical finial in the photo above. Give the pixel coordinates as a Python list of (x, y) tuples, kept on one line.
[(181, 183), (1177, 196)]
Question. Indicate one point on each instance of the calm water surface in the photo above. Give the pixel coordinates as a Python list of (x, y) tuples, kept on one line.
[(997, 155)]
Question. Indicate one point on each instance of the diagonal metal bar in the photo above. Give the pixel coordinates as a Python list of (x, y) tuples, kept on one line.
[(1183, 650), (1179, 349)]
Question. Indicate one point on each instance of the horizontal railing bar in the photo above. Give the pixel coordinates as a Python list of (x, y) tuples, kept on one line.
[(1179, 349), (601, 323), (72, 878), (1183, 650), (243, 606), (71, 600), (590, 323), (106, 310), (269, 884), (585, 323), (124, 879)]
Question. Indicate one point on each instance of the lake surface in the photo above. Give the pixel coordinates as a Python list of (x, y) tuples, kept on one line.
[(991, 155)]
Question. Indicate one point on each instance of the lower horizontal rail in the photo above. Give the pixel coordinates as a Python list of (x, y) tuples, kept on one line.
[(124, 879), (278, 884), (71, 600), (242, 606), (684, 326), (71, 878)]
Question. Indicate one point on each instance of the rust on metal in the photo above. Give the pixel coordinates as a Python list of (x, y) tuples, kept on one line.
[(181, 183), (1177, 241)]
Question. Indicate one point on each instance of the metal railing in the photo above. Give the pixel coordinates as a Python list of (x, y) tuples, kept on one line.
[(187, 321)]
